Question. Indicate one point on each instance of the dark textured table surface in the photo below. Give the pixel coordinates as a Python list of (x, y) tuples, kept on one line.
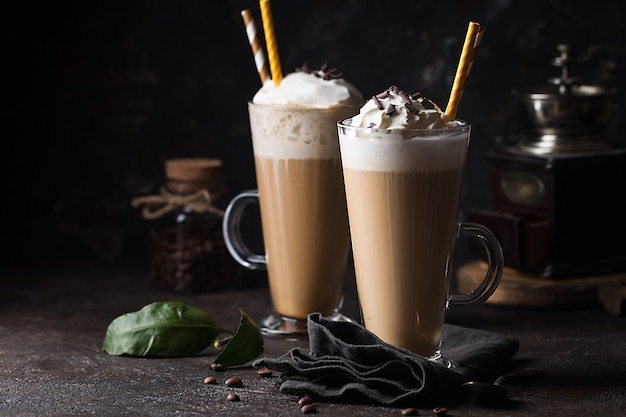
[(52, 324)]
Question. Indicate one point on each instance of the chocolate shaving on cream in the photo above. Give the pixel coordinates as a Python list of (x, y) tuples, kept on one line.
[(411, 108), (382, 95), (395, 109), (323, 72), (405, 97), (378, 103), (428, 104)]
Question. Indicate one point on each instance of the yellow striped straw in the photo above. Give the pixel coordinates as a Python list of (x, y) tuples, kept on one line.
[(472, 40), (255, 45), (270, 42)]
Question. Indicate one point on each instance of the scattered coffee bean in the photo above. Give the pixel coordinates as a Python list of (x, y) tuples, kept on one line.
[(264, 372), (308, 409), (217, 367), (234, 382), (440, 411), (210, 380), (305, 400), (232, 397), (410, 412)]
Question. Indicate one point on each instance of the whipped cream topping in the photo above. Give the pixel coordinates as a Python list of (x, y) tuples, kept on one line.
[(316, 89), (395, 109), (392, 151)]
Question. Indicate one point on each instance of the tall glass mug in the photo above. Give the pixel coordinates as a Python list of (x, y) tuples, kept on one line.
[(403, 189), (303, 213)]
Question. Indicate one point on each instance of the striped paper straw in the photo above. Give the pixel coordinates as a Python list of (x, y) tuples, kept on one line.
[(270, 42), (255, 45), (472, 40)]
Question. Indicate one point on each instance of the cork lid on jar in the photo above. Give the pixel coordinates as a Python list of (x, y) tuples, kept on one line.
[(188, 175)]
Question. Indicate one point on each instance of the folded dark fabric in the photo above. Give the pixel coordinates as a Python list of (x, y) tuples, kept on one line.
[(348, 363)]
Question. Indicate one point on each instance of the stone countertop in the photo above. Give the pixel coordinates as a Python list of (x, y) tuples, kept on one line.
[(52, 324)]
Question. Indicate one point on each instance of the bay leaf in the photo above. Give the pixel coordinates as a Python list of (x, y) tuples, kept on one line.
[(161, 329), (245, 345)]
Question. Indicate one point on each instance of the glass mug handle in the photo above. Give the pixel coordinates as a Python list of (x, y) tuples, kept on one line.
[(495, 264), (232, 231)]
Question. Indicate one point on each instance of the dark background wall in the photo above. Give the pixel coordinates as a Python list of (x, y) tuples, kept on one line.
[(97, 94)]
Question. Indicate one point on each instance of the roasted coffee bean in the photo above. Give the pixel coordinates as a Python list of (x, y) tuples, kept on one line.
[(232, 397), (305, 400), (440, 411), (217, 367), (234, 382), (191, 261), (410, 412), (308, 409), (264, 372), (210, 380)]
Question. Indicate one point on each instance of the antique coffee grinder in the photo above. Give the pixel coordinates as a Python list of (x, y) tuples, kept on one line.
[(557, 194)]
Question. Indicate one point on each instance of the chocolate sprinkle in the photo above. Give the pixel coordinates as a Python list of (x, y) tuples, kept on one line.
[(428, 104), (409, 101), (378, 103), (405, 97), (304, 68), (411, 108), (323, 72)]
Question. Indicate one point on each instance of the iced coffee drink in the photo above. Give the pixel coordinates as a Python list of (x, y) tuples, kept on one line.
[(301, 192), (403, 166)]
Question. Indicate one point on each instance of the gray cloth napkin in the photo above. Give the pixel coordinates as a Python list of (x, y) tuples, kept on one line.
[(348, 363)]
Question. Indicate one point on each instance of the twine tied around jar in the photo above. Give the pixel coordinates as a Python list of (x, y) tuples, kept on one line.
[(156, 206)]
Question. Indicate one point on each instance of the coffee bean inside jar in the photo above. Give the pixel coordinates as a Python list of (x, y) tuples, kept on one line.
[(187, 250)]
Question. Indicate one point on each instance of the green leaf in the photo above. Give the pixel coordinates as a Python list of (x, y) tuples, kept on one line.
[(161, 329), (245, 345)]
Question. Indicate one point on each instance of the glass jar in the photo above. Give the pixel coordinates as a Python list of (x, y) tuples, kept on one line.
[(187, 250)]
